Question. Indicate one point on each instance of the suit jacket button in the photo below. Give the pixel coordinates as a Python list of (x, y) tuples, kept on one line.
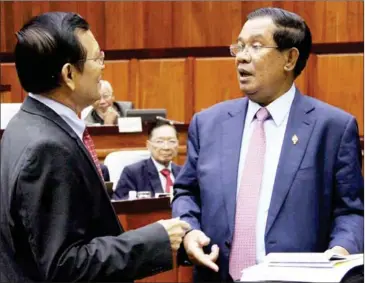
[(228, 244)]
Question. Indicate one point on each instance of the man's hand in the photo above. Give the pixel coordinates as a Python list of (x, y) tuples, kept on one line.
[(110, 116), (337, 250), (194, 242), (176, 230)]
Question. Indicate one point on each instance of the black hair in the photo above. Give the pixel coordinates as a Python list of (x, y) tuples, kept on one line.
[(292, 31), (160, 123), (44, 44)]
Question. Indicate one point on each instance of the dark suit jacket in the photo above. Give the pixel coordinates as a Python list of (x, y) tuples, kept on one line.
[(105, 171), (317, 200), (141, 176), (57, 222)]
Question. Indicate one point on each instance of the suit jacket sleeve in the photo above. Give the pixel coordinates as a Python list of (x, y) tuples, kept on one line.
[(125, 184), (186, 203), (53, 207), (348, 225)]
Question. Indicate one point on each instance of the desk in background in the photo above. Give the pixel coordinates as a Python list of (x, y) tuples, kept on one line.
[(107, 139)]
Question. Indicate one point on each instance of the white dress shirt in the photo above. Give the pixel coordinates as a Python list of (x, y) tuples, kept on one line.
[(66, 113), (160, 167), (274, 132)]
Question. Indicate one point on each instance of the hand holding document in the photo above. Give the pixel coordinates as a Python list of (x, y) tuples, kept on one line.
[(302, 267)]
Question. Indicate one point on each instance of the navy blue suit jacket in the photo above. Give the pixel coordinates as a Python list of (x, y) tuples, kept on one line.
[(141, 176), (317, 199), (105, 172)]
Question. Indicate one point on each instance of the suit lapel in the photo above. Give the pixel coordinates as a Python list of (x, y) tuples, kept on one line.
[(300, 124), (34, 106), (231, 139), (175, 169), (153, 177)]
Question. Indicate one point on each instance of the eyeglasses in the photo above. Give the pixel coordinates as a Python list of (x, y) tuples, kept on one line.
[(161, 143), (251, 49), (99, 59), (106, 95)]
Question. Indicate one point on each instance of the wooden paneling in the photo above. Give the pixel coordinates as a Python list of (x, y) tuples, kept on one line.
[(301, 82), (9, 76), (150, 24), (122, 25), (117, 73), (329, 21), (5, 97), (207, 23), (162, 84), (339, 80), (215, 81)]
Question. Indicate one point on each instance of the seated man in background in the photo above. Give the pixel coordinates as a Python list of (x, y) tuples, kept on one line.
[(156, 174), (105, 111), (105, 172)]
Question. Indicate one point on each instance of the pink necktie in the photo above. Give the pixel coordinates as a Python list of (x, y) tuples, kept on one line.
[(243, 251), (86, 138), (166, 173)]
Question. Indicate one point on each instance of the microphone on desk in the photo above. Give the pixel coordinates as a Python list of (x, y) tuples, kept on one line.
[(171, 122)]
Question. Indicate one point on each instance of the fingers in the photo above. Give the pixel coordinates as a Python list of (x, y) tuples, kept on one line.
[(176, 230), (203, 240), (198, 256), (194, 243), (214, 253), (185, 225)]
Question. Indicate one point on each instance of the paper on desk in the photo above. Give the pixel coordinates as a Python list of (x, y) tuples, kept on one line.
[(8, 110), (264, 272)]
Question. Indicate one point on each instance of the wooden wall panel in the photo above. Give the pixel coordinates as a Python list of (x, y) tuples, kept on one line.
[(207, 23), (339, 80), (122, 25), (9, 76), (162, 84), (149, 24), (117, 73), (329, 21), (301, 82), (215, 81), (157, 24)]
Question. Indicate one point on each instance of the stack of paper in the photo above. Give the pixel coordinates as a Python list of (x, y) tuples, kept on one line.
[(302, 267), (317, 260)]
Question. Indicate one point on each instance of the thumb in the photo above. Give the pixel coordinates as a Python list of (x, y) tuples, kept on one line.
[(203, 240)]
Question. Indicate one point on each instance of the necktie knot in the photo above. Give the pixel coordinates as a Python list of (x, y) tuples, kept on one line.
[(262, 114), (165, 172)]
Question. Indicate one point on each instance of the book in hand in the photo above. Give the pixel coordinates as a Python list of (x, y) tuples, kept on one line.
[(317, 260), (303, 267)]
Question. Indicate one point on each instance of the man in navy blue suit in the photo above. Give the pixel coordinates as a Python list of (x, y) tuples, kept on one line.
[(157, 173), (296, 160)]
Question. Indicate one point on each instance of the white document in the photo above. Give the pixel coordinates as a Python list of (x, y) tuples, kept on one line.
[(301, 271), (130, 124), (307, 259), (8, 110)]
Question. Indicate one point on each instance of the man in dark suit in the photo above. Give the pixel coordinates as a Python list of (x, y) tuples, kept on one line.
[(105, 172), (157, 173), (275, 171), (57, 223), (106, 110)]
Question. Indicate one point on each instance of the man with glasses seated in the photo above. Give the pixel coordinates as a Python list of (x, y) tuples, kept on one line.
[(156, 174), (105, 110)]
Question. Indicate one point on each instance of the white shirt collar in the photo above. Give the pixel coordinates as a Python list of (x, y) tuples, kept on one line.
[(278, 109), (160, 167), (66, 113)]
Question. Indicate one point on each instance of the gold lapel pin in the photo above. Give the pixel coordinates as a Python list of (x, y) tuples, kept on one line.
[(295, 139)]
